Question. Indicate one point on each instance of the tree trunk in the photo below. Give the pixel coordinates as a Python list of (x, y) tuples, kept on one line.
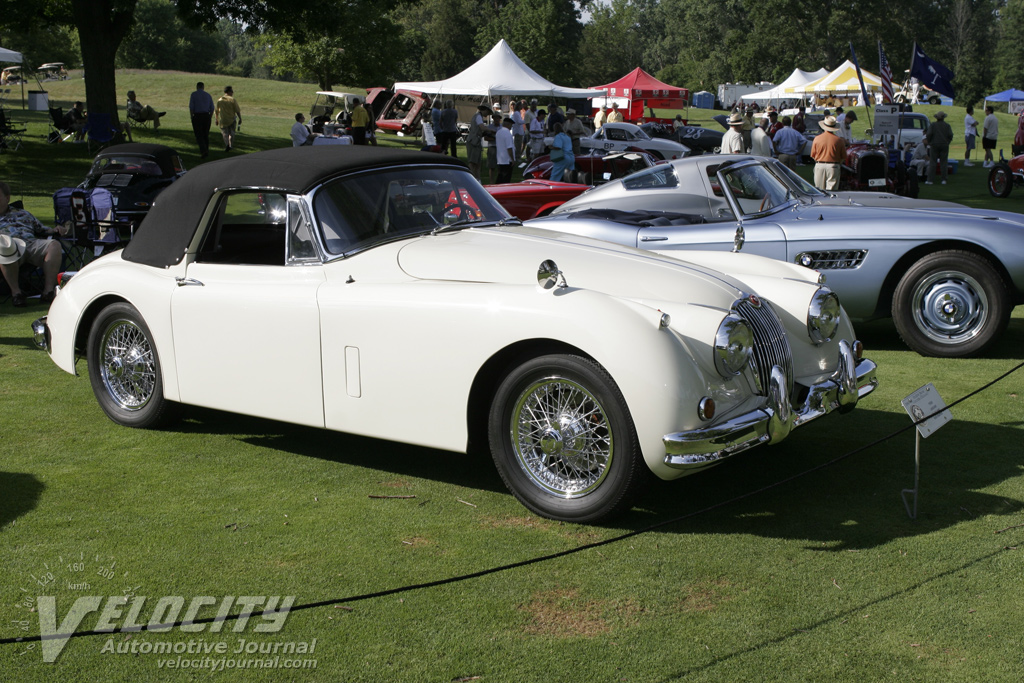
[(102, 25)]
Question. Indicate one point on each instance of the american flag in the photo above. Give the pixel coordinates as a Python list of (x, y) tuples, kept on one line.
[(886, 75)]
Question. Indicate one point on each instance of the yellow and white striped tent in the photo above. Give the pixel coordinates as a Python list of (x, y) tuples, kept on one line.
[(842, 82)]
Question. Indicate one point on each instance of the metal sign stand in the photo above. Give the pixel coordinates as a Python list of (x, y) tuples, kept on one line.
[(923, 403)]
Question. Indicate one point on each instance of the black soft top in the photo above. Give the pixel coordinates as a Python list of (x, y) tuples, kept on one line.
[(171, 224), (163, 155)]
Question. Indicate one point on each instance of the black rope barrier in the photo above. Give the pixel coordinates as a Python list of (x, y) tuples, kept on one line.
[(522, 563)]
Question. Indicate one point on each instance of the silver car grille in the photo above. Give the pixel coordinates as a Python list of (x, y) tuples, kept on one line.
[(832, 260), (771, 345)]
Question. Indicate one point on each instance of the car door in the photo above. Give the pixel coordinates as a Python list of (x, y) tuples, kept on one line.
[(245, 317)]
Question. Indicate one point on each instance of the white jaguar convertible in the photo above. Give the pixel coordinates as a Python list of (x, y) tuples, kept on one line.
[(385, 293)]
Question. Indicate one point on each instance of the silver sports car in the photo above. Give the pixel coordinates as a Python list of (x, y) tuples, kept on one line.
[(948, 275)]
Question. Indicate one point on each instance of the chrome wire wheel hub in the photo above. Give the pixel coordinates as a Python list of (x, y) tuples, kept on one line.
[(562, 437), (950, 306), (128, 370)]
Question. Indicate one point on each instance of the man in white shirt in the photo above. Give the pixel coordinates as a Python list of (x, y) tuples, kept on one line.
[(844, 126), (518, 131), (300, 134), (505, 144), (732, 141), (970, 134), (989, 135)]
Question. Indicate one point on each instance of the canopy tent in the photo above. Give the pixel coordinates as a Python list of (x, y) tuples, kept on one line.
[(787, 88), (843, 82), (638, 89), (1011, 95), (10, 56), (499, 72)]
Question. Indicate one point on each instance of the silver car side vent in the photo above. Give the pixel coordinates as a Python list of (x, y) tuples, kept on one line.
[(845, 259)]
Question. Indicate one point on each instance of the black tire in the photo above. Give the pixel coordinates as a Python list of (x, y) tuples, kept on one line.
[(934, 99), (587, 466), (1000, 180), (951, 304), (124, 369)]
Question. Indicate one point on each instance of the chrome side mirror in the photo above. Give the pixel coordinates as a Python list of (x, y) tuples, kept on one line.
[(548, 275), (737, 241)]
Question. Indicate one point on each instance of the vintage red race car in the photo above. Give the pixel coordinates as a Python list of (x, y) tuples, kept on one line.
[(533, 198), (1004, 175), (876, 168), (595, 167)]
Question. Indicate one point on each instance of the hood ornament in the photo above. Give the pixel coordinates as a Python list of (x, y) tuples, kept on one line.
[(548, 275)]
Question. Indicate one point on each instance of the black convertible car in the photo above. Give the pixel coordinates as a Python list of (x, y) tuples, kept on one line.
[(134, 173)]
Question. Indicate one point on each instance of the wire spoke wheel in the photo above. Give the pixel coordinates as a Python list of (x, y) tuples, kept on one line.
[(563, 440), (128, 369), (562, 437)]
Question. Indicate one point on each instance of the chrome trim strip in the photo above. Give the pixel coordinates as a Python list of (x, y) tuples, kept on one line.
[(699, 448)]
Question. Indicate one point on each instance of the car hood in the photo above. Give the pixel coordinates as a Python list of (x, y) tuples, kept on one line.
[(513, 256), (898, 223), (885, 200)]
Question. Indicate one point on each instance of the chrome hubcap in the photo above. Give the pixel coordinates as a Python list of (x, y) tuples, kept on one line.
[(561, 436), (128, 368), (950, 306)]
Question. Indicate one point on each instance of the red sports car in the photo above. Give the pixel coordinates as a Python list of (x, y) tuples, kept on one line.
[(596, 166), (532, 198)]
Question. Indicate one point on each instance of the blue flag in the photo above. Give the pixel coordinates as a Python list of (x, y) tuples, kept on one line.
[(860, 77), (931, 73)]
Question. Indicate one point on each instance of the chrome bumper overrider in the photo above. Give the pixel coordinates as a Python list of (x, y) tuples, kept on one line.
[(704, 447), (41, 334)]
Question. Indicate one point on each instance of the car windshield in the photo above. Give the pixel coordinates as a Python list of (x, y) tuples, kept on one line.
[(755, 188), (641, 135), (126, 163), (359, 211), (801, 187)]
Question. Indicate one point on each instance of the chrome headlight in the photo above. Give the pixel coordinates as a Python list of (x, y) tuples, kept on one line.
[(823, 315), (734, 343)]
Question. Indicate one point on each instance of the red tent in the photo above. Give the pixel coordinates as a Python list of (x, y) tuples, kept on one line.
[(638, 89)]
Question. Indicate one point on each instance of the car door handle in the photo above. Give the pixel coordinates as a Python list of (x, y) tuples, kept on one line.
[(653, 238), (185, 281)]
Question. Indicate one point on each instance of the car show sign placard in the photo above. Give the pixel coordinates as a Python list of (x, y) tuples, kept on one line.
[(887, 119)]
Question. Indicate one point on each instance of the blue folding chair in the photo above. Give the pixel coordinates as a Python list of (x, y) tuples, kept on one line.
[(92, 222), (99, 129)]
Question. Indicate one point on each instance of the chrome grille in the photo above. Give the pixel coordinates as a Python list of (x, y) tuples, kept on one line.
[(771, 346), (832, 260)]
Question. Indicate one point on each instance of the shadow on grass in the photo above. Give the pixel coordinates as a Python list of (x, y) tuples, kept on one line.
[(855, 503), (19, 494), (474, 470)]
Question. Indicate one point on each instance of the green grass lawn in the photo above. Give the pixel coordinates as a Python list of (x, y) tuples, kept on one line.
[(823, 578)]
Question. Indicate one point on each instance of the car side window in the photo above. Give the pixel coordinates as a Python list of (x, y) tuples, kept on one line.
[(248, 228), (616, 134), (662, 176), (301, 248)]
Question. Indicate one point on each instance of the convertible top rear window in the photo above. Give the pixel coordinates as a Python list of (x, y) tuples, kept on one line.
[(356, 212)]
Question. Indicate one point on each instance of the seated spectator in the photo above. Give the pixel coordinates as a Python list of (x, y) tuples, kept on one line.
[(74, 121), (300, 133), (920, 159), (137, 111), (23, 239)]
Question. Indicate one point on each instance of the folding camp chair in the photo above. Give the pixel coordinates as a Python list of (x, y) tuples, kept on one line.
[(99, 129), (93, 227), (59, 132), (136, 123), (10, 136)]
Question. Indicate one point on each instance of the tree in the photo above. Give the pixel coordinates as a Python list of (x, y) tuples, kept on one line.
[(1009, 52), (159, 39), (439, 37), (543, 33), (619, 25)]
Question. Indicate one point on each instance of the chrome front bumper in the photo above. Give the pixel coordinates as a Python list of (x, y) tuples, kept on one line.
[(700, 448), (41, 334)]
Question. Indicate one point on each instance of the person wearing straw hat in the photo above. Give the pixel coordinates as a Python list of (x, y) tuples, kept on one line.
[(23, 239), (828, 151), (732, 141), (939, 135)]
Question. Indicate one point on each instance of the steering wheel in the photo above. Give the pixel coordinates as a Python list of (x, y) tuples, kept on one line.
[(766, 203)]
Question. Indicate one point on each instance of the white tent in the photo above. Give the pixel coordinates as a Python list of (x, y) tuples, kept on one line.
[(499, 72), (843, 81), (10, 55), (786, 89)]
